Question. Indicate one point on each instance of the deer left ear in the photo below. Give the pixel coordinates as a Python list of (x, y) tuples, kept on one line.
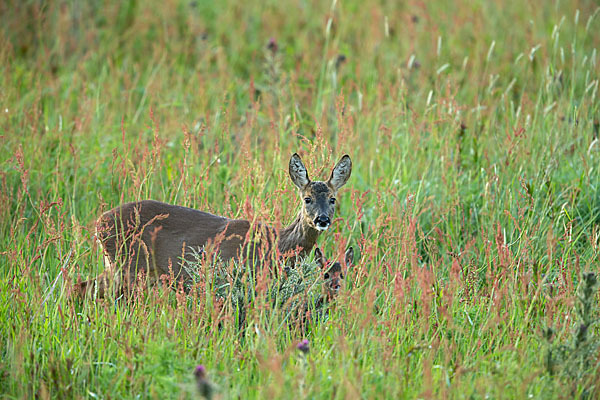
[(349, 257), (341, 172), (319, 257)]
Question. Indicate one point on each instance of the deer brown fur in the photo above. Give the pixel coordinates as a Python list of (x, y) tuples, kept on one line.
[(155, 237)]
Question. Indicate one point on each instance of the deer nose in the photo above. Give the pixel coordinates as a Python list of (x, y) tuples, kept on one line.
[(322, 222)]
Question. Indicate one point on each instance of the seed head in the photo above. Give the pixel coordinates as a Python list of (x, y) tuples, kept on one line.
[(341, 59)]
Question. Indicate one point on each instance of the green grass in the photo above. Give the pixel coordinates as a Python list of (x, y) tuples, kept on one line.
[(474, 201)]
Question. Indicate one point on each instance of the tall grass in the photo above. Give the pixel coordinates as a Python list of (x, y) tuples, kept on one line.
[(474, 200)]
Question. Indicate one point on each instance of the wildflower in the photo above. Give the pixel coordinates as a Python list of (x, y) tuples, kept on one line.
[(272, 45), (205, 387), (303, 346)]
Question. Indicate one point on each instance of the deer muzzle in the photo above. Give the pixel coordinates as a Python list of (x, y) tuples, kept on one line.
[(322, 222)]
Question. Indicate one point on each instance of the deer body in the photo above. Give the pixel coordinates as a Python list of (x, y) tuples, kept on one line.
[(155, 237)]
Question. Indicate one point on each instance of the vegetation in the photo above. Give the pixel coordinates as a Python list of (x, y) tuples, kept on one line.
[(474, 201)]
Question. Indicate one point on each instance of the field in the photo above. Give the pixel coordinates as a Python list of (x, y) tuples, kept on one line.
[(473, 205)]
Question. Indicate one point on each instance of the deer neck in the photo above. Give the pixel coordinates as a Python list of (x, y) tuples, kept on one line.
[(298, 234)]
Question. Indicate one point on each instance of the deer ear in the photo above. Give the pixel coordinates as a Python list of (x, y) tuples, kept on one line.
[(298, 172), (349, 256), (319, 257), (341, 172)]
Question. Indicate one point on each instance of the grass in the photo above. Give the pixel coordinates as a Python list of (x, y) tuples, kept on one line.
[(474, 202)]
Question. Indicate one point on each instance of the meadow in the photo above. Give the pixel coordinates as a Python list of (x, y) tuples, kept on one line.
[(473, 205)]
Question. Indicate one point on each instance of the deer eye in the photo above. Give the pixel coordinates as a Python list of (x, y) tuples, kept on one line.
[(307, 200), (341, 276), (326, 275), (332, 200)]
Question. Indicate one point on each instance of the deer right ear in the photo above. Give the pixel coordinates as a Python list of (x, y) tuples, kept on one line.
[(319, 257), (298, 172)]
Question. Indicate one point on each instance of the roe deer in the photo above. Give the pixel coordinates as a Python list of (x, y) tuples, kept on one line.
[(333, 278), (308, 288), (156, 237)]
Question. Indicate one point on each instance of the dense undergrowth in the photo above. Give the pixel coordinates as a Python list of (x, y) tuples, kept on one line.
[(474, 201)]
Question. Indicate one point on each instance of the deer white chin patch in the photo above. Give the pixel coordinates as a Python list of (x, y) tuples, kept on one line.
[(322, 228)]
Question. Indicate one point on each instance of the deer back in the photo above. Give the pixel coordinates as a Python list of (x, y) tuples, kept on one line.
[(156, 236)]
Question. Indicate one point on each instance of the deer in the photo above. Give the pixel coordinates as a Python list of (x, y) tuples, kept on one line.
[(303, 293), (331, 278), (333, 274), (158, 238)]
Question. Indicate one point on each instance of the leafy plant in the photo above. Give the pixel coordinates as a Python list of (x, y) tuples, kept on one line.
[(578, 360)]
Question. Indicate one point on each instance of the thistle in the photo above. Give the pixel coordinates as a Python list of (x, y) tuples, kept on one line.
[(205, 387)]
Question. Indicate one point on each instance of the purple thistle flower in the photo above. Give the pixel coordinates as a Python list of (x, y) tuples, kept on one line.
[(272, 46), (303, 346), (205, 387), (200, 372)]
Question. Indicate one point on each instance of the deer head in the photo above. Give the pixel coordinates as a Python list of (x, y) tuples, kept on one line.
[(319, 197), (333, 273)]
